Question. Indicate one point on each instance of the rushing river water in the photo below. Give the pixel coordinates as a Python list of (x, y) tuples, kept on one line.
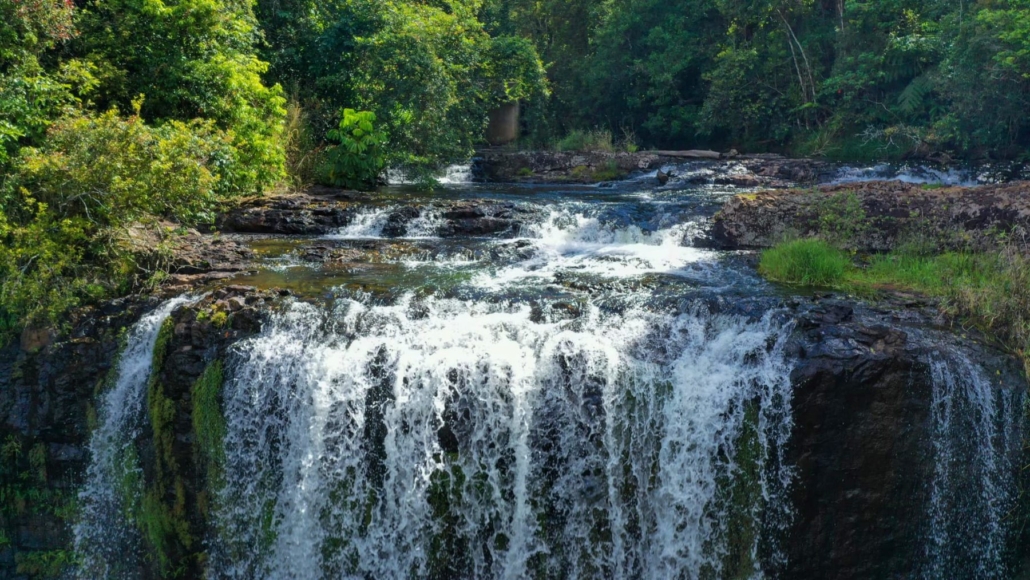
[(556, 403)]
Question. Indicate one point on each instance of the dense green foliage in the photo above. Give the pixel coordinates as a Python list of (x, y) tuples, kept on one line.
[(359, 159), (116, 116), (428, 70), (839, 77)]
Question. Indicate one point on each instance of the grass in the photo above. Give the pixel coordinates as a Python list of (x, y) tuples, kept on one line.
[(807, 262), (989, 290), (596, 140)]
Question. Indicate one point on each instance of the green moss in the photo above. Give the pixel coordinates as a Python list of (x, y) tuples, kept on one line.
[(744, 500), (448, 548), (209, 430), (609, 172), (44, 563), (162, 513), (26, 492), (220, 318), (164, 336)]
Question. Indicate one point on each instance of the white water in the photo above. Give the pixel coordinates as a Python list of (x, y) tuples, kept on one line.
[(905, 173), (594, 447), (976, 430), (453, 175), (369, 224), (572, 242), (106, 539)]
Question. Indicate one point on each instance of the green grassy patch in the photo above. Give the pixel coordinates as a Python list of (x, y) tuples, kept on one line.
[(808, 262)]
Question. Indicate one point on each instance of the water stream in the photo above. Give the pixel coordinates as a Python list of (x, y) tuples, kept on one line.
[(106, 538)]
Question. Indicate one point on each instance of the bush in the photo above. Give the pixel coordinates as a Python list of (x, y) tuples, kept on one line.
[(359, 160), (79, 213), (810, 262)]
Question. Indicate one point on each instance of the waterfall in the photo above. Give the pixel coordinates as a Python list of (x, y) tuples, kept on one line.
[(457, 439), (106, 539), (976, 434)]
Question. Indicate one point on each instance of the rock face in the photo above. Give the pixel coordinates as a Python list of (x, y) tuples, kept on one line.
[(46, 407), (318, 211), (44, 427), (892, 212), (862, 437)]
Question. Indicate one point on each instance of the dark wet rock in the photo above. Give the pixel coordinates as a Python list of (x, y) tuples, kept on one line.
[(861, 441), (324, 213), (48, 396), (558, 166), (477, 219), (397, 223), (45, 396), (195, 253), (317, 211), (890, 212)]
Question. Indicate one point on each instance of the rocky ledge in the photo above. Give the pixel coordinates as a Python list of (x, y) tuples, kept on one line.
[(320, 211), (878, 215)]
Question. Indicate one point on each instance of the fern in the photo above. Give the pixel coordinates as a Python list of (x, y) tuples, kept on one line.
[(911, 99)]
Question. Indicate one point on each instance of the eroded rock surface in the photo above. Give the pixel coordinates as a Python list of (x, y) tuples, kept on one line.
[(878, 214), (324, 211)]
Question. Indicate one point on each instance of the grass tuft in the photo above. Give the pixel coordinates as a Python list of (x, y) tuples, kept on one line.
[(808, 262)]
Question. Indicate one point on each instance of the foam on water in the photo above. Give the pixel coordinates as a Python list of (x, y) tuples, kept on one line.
[(569, 241), (904, 173), (107, 540), (463, 439)]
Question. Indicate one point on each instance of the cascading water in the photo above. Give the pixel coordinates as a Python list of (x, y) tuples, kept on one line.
[(977, 431), (452, 439), (106, 539), (907, 174)]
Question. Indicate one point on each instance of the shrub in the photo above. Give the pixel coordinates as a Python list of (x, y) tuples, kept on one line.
[(359, 160), (811, 262), (75, 213)]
